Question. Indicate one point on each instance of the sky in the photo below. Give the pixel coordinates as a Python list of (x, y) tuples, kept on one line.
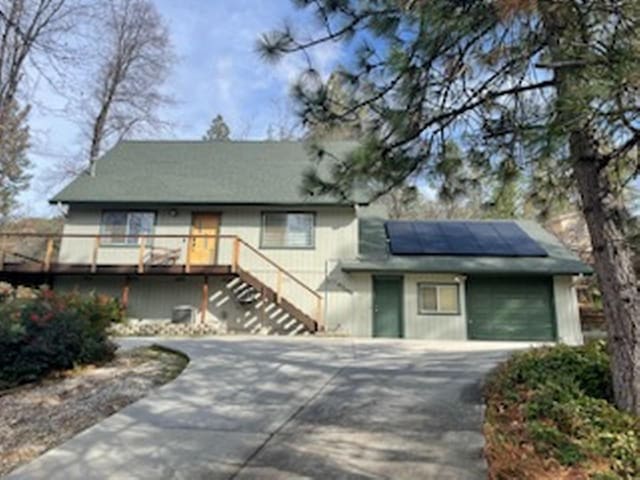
[(217, 72)]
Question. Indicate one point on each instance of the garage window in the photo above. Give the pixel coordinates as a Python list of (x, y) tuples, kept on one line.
[(439, 299)]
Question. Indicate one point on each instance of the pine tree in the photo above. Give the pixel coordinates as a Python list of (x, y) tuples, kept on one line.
[(550, 88), (14, 163), (218, 130)]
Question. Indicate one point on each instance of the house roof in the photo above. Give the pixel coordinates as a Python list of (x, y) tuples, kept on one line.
[(374, 256), (199, 172)]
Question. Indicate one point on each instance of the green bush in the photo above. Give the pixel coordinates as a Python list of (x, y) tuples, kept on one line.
[(41, 332), (564, 395)]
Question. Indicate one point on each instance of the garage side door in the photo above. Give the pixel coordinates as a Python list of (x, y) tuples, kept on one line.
[(512, 308)]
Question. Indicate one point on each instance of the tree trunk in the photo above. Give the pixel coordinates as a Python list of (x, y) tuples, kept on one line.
[(605, 216)]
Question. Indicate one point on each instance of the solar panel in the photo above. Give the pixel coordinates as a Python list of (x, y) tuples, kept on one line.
[(460, 239), (490, 238), (522, 243), (430, 236), (405, 241)]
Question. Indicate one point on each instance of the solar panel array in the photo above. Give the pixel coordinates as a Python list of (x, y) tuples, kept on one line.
[(490, 238)]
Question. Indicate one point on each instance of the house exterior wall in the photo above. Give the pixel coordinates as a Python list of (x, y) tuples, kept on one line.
[(567, 312), (348, 298), (447, 327), (434, 327), (152, 299), (335, 237)]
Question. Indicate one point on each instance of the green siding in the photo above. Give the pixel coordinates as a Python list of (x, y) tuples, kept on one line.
[(387, 307), (510, 308)]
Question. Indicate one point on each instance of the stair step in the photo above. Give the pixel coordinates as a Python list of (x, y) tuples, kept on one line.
[(283, 303)]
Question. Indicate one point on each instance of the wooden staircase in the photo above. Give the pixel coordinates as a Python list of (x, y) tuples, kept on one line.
[(270, 295)]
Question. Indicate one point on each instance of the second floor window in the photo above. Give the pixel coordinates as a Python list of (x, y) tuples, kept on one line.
[(287, 230), (121, 227)]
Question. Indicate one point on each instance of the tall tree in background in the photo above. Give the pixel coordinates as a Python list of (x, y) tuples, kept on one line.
[(348, 127), (14, 142), (32, 35), (135, 61), (558, 81), (218, 130)]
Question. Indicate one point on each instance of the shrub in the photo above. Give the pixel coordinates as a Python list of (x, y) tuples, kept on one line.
[(560, 400), (41, 332)]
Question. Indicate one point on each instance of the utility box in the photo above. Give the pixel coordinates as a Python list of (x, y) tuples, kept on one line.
[(183, 314)]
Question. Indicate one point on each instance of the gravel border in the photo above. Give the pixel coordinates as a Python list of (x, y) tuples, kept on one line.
[(40, 416)]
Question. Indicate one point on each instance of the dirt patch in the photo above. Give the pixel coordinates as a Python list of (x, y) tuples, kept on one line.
[(37, 417)]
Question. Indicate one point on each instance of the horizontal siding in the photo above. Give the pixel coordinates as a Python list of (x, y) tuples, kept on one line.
[(153, 299), (336, 237), (358, 321), (567, 312), (433, 327)]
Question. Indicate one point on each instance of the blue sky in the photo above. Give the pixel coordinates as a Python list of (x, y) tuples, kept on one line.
[(218, 71)]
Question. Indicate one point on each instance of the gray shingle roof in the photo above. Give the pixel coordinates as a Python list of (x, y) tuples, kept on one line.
[(194, 172), (374, 256)]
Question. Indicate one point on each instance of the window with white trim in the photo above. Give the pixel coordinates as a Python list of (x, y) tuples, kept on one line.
[(121, 227), (439, 299), (287, 230)]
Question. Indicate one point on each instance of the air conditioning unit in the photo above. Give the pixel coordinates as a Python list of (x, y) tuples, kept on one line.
[(183, 314)]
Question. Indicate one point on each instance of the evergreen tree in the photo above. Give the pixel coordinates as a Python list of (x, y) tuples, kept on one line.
[(350, 128), (547, 87), (218, 130), (14, 143)]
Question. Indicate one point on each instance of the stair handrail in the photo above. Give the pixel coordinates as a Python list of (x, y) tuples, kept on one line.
[(279, 268), (281, 271)]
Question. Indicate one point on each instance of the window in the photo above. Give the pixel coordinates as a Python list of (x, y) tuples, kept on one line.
[(287, 230), (438, 298), (118, 225)]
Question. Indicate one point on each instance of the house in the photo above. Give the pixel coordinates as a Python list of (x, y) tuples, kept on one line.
[(219, 237)]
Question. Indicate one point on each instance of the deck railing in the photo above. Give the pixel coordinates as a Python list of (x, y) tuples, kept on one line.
[(142, 254)]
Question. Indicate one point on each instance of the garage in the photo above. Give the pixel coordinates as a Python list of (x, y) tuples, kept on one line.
[(510, 308)]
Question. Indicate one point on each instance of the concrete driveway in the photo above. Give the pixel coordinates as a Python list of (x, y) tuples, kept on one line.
[(249, 407)]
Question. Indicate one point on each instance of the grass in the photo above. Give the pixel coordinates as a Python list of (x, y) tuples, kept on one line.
[(550, 416)]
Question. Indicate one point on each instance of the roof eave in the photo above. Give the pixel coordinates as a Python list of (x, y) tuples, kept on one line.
[(301, 203), (378, 266)]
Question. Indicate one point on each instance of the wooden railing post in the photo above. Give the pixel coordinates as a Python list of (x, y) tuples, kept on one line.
[(279, 287), (48, 254), (235, 254), (125, 294), (187, 265), (205, 300), (319, 319), (94, 255), (142, 241)]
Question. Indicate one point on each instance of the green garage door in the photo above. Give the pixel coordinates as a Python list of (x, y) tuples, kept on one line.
[(513, 308)]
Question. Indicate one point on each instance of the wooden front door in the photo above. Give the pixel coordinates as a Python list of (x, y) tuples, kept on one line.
[(202, 250), (387, 307)]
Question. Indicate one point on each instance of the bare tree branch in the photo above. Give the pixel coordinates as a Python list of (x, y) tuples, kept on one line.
[(127, 85)]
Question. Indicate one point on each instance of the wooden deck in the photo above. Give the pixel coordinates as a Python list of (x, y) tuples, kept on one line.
[(87, 269), (44, 261)]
